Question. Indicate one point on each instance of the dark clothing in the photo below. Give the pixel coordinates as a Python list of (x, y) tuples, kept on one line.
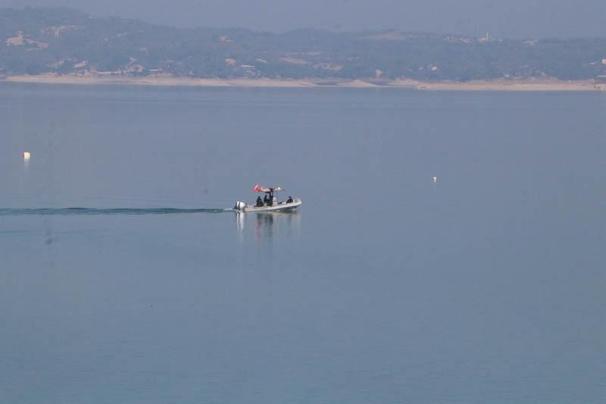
[(259, 201), (289, 200)]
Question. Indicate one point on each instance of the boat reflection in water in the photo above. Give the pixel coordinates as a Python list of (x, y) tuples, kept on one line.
[(268, 218), (268, 226)]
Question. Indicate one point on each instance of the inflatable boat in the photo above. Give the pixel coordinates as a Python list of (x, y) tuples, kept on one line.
[(269, 203)]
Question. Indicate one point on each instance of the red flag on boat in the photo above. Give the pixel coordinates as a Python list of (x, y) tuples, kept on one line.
[(259, 188)]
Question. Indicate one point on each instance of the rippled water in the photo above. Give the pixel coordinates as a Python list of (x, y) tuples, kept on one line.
[(123, 279), (106, 211)]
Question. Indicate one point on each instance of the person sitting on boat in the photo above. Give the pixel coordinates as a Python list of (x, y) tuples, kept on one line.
[(289, 200), (259, 201)]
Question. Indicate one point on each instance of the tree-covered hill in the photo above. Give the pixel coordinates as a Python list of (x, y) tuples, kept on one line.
[(64, 41)]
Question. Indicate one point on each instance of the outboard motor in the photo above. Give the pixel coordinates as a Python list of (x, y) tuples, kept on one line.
[(239, 205)]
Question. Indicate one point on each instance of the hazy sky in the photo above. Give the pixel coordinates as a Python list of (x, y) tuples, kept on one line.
[(505, 18)]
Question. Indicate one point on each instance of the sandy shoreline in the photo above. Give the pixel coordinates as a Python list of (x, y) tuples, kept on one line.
[(168, 81)]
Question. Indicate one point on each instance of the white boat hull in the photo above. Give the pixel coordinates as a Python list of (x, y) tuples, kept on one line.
[(279, 207)]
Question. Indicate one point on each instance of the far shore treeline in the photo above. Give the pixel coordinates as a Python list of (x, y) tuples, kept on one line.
[(55, 40)]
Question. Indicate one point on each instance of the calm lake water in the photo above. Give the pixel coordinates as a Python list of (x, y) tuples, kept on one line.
[(485, 287)]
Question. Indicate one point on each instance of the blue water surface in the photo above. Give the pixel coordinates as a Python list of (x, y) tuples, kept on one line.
[(484, 286)]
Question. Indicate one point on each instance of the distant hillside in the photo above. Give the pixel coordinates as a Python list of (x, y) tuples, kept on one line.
[(35, 41)]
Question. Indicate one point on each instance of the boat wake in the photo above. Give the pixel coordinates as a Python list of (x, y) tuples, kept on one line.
[(107, 211)]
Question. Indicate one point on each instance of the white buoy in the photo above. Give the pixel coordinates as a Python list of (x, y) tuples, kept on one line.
[(435, 180), (27, 156)]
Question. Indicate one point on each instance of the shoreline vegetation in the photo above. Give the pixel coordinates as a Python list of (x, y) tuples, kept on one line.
[(513, 85)]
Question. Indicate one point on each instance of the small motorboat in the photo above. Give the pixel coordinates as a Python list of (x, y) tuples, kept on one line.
[(269, 203)]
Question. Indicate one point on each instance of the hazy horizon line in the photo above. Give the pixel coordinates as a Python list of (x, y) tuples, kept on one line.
[(316, 29)]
